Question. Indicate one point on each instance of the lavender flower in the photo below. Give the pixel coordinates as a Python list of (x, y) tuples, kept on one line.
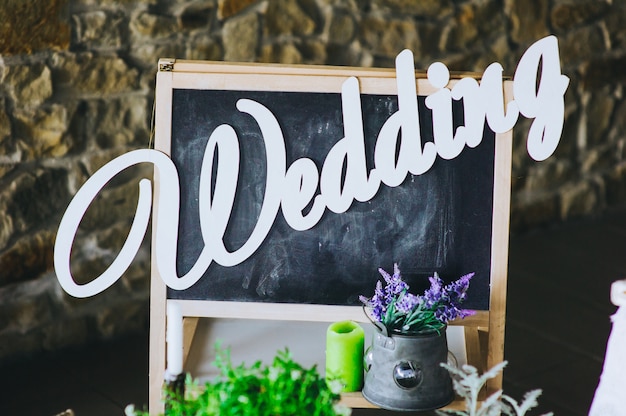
[(401, 311), (435, 293), (407, 302), (457, 290), (395, 284), (379, 304), (450, 313)]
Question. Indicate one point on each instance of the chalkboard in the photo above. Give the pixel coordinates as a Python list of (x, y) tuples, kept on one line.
[(438, 221)]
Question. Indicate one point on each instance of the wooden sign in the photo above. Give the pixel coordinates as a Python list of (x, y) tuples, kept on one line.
[(279, 190), (218, 119)]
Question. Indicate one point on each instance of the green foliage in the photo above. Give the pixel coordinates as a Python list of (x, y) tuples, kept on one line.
[(281, 389), (468, 383)]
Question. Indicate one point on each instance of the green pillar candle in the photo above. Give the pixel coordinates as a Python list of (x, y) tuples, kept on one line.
[(344, 354)]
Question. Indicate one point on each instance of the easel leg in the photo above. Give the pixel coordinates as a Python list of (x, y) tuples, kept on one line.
[(190, 323)]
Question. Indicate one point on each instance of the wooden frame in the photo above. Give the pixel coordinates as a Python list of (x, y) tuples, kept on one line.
[(487, 327)]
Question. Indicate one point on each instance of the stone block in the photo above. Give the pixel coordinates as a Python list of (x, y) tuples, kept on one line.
[(112, 205), (136, 280), (348, 55), (497, 51), (599, 158), (285, 53), (78, 135), (422, 8), (313, 51), (489, 19), (464, 31), (599, 113), (603, 70), (196, 16), (147, 54), (28, 85), (342, 28), (228, 8), (87, 74), (42, 131), (92, 161), (460, 61), (240, 37), (145, 24), (614, 21), (100, 3), (29, 257), (99, 29), (6, 227), (619, 122), (89, 262), (579, 44), (388, 37), (289, 17), (548, 175), (41, 25), (567, 14), (117, 122), (113, 238), (36, 197), (432, 33), (578, 199), (122, 122), (5, 123), (528, 20), (569, 144), (204, 47)]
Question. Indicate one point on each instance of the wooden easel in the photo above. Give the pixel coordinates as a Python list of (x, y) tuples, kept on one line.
[(484, 332)]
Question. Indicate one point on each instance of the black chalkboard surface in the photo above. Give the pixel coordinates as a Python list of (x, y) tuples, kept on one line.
[(439, 221)]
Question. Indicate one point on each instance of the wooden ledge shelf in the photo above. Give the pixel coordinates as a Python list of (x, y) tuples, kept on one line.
[(356, 400)]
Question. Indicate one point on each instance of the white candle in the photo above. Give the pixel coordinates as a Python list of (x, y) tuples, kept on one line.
[(174, 339)]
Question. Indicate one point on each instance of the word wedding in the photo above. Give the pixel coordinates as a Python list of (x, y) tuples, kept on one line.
[(294, 187)]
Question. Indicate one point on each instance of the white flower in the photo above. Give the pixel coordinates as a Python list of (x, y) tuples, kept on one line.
[(273, 374), (335, 386)]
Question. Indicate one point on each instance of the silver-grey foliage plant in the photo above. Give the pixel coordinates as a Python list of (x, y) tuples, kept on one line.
[(468, 383)]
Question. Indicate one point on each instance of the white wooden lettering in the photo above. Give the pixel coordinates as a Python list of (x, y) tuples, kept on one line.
[(85, 196), (351, 149), (545, 104), (414, 156), (474, 110), (292, 188), (448, 146)]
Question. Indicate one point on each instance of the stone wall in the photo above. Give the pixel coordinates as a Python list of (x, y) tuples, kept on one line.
[(76, 90)]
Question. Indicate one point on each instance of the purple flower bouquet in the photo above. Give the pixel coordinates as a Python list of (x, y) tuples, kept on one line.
[(398, 311)]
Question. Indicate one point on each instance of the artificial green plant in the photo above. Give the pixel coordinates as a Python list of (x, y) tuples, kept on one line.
[(280, 389)]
